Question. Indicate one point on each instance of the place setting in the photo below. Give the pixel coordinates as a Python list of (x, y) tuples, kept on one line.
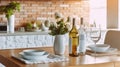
[(95, 49), (32, 56), (102, 50)]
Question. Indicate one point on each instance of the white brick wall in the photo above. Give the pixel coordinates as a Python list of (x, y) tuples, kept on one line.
[(26, 41)]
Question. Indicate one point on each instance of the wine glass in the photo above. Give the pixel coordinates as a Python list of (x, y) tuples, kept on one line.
[(95, 35)]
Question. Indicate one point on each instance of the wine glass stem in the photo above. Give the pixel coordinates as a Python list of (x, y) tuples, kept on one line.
[(95, 52)]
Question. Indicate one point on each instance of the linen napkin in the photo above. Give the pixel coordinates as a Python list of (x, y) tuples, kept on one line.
[(51, 58)]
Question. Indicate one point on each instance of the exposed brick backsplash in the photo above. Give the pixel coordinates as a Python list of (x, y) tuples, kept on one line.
[(33, 9)]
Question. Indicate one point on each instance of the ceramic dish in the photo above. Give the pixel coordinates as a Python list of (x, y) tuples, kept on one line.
[(112, 50), (31, 57), (107, 51), (99, 47), (34, 52)]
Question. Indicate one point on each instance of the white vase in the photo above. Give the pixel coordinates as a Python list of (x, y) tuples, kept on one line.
[(11, 21), (59, 45), (43, 27)]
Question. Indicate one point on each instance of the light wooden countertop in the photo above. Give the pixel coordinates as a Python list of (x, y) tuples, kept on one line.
[(8, 61)]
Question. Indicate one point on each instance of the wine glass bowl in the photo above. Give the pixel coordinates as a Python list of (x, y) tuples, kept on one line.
[(95, 34)]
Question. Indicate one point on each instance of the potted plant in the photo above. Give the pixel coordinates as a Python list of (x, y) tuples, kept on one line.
[(58, 29), (32, 26), (9, 11)]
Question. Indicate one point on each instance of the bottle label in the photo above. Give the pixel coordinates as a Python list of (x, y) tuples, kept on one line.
[(82, 37), (70, 46), (78, 49), (82, 47)]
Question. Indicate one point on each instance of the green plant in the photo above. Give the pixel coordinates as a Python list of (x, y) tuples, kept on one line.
[(32, 25), (1, 9), (29, 26), (10, 9), (58, 28)]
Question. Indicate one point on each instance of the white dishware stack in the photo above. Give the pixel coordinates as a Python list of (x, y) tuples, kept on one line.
[(32, 56), (99, 47)]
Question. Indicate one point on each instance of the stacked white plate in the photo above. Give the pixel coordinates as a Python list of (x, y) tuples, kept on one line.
[(102, 48), (34, 54)]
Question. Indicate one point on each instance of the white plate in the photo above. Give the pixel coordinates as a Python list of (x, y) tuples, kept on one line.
[(99, 47), (108, 50), (32, 57), (33, 52)]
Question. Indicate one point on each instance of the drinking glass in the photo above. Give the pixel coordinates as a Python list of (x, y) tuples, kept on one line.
[(95, 35)]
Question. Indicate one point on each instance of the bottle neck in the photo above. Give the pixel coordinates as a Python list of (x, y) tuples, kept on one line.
[(82, 25), (73, 22), (81, 22)]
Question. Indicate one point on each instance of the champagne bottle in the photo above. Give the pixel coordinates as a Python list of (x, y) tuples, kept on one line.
[(73, 41)]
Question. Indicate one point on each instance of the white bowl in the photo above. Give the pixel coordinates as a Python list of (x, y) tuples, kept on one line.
[(99, 47), (35, 58), (34, 52)]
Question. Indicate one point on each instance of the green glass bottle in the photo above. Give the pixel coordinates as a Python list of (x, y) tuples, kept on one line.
[(74, 41)]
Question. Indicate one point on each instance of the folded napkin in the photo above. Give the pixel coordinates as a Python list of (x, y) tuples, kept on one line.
[(49, 59)]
